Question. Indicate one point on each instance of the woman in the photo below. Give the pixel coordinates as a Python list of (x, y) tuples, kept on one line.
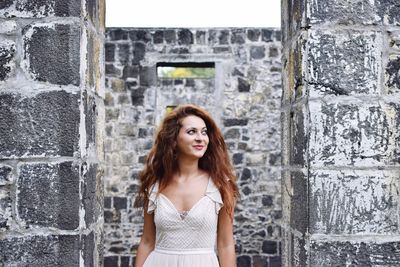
[(188, 190)]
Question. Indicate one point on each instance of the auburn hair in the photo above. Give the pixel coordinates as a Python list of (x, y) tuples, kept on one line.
[(161, 163)]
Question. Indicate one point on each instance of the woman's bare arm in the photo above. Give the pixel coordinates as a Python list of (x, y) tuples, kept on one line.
[(225, 241), (147, 241)]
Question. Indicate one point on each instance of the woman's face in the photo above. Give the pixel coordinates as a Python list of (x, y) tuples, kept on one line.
[(192, 140)]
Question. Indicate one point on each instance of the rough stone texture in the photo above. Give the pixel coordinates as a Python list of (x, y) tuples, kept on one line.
[(355, 134), (353, 202), (51, 53), (340, 133), (344, 63), (244, 99), (48, 195), (7, 60), (49, 250), (354, 253), (51, 132), (46, 124), (40, 8)]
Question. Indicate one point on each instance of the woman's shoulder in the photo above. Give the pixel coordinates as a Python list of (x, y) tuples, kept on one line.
[(213, 193)]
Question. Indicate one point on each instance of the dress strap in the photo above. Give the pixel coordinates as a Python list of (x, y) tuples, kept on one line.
[(152, 198), (213, 193)]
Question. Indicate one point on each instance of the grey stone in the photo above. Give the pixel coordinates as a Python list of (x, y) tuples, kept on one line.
[(148, 76), (140, 35), (299, 202), (118, 34), (123, 53), (200, 37), (40, 8), (90, 119), (222, 49), (185, 37), (7, 60), (43, 250), (125, 261), (369, 198), (48, 195), (111, 261), (170, 36), (111, 70), (257, 52), (130, 72), (275, 261), (392, 74), (358, 129), (46, 124), (232, 134), (88, 249), (237, 158), (273, 52), (5, 174), (137, 96), (109, 52), (158, 37), (52, 53), (344, 64), (243, 85), (235, 122), (243, 261), (238, 36), (120, 203), (270, 247), (357, 253), (139, 51), (89, 192), (253, 34), (267, 35), (223, 37)]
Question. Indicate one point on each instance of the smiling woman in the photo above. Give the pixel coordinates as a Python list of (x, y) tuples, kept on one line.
[(207, 13), (188, 191)]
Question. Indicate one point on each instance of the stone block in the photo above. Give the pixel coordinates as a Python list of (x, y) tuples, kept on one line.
[(275, 261), (343, 12), (88, 242), (40, 8), (110, 261), (117, 34), (5, 174), (7, 59), (48, 195), (223, 37), (253, 34), (89, 173), (354, 134), (235, 122), (170, 36), (298, 202), (344, 253), (185, 37), (109, 52), (243, 261), (52, 53), (6, 214), (158, 37), (46, 124), (45, 250), (139, 51), (140, 35), (298, 136), (257, 52), (148, 76), (353, 202), (293, 18), (238, 36), (344, 63), (200, 37), (123, 53), (392, 74)]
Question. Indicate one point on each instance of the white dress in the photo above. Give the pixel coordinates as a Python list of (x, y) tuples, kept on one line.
[(185, 240)]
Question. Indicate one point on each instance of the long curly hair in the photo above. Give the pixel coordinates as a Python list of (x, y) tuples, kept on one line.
[(161, 163)]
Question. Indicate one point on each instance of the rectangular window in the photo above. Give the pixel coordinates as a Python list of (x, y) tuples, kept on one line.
[(186, 70)]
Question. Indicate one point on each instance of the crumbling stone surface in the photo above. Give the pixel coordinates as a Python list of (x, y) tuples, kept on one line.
[(46, 124), (40, 8), (48, 195), (51, 53)]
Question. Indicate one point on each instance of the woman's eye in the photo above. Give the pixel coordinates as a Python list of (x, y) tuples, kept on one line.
[(204, 132), (191, 132)]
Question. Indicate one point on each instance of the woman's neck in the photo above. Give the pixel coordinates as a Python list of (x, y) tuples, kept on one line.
[(187, 168)]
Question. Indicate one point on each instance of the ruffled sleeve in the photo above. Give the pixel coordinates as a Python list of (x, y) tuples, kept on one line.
[(213, 193), (152, 199)]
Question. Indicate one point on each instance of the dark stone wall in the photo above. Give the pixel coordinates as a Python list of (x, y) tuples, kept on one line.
[(51, 116), (244, 99), (340, 135)]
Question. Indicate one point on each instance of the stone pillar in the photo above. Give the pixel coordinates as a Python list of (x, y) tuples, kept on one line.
[(341, 133), (51, 121)]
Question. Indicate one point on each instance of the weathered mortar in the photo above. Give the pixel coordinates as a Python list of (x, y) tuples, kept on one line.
[(51, 120), (340, 133), (244, 98)]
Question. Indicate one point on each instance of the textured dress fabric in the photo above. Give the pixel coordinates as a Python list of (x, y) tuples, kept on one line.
[(185, 239)]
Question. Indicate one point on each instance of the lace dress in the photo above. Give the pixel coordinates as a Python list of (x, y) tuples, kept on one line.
[(185, 239)]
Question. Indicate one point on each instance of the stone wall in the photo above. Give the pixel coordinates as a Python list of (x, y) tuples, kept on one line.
[(244, 98), (341, 137), (51, 143)]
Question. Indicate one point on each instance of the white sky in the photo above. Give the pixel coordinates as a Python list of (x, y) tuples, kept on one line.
[(203, 13)]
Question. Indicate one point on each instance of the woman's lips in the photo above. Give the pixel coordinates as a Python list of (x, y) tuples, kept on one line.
[(199, 147)]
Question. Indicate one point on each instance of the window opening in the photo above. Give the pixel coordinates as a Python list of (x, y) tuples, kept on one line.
[(186, 70)]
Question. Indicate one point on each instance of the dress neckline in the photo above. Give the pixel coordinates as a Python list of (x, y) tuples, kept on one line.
[(183, 214)]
